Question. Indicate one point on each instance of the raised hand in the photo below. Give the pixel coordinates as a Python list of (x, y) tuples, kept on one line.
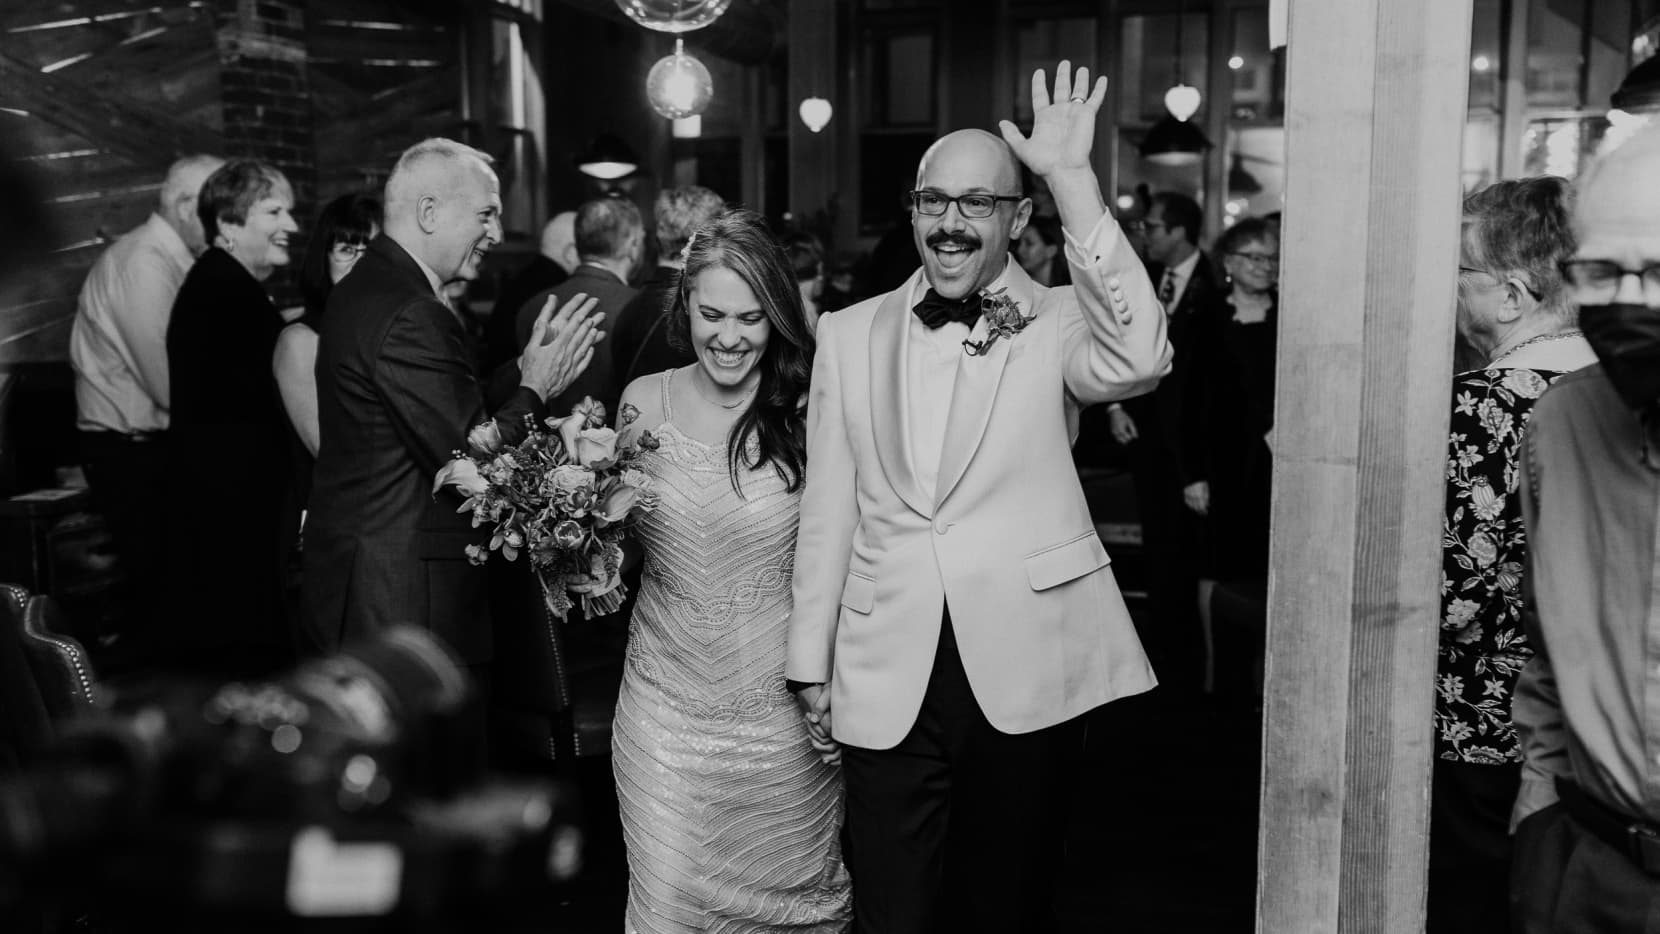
[(1063, 124), (547, 366)]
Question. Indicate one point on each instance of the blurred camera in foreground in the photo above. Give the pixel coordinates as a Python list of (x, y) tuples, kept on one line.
[(336, 791)]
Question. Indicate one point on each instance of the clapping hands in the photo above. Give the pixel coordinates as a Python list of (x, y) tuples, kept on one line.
[(561, 345)]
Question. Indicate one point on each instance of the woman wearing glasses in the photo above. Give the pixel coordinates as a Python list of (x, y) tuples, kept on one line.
[(344, 229), (1515, 313), (1227, 413)]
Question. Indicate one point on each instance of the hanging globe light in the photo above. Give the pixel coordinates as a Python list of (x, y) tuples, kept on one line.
[(678, 86), (674, 15)]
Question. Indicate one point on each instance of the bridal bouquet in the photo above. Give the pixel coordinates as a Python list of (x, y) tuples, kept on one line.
[(564, 497)]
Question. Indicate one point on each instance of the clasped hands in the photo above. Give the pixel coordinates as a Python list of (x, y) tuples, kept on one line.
[(814, 700), (561, 345)]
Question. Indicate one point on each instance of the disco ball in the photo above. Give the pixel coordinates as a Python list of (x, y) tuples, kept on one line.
[(674, 15), (678, 86)]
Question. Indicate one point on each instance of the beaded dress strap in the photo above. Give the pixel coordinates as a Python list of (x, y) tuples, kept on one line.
[(668, 378)]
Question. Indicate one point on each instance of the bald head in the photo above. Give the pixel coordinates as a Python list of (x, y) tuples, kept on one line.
[(972, 153), (965, 248), (559, 240), (177, 202)]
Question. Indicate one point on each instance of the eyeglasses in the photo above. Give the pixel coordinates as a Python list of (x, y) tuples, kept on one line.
[(1259, 259), (1597, 281), (344, 251), (1499, 280), (933, 203)]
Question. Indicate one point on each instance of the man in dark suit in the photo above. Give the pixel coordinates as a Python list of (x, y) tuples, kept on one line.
[(396, 397), (553, 263), (1150, 427), (639, 333), (610, 239)]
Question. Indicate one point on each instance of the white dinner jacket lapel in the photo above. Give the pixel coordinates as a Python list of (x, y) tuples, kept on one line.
[(887, 396), (976, 391)]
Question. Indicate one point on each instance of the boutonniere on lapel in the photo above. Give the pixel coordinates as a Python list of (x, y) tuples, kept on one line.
[(1003, 319)]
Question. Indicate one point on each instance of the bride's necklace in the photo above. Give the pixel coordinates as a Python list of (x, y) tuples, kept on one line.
[(729, 406), (1562, 335)]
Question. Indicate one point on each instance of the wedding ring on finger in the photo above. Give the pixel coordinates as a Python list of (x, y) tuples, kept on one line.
[(1077, 100)]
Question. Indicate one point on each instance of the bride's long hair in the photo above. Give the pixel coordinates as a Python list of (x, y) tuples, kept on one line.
[(739, 240)]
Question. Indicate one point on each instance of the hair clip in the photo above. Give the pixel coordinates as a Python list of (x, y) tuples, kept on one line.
[(686, 251)]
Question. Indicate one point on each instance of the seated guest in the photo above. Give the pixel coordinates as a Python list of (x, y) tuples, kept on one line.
[(553, 263), (1515, 313), (118, 350), (640, 333), (609, 239), (1587, 814), (1039, 252), (228, 462)]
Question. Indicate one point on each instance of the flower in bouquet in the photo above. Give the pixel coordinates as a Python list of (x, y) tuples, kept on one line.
[(565, 496)]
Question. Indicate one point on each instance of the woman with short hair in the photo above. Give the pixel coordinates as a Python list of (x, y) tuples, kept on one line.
[(1514, 313), (228, 438)]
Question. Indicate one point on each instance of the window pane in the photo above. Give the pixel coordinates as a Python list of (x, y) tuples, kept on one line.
[(1486, 48), (899, 68), (1042, 43), (1150, 63), (1554, 30)]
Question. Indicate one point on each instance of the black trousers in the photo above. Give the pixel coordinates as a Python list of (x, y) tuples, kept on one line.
[(1469, 846), (127, 477), (959, 827), (1565, 880), (1169, 546)]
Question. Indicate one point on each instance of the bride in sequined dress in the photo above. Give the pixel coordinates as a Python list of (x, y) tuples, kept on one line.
[(730, 814)]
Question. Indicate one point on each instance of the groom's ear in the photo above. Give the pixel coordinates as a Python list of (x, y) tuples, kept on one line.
[(1022, 217), (426, 213)]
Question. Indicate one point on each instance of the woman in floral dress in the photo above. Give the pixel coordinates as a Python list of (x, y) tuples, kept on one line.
[(1513, 314)]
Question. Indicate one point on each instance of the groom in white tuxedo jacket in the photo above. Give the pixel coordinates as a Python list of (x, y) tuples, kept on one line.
[(955, 613)]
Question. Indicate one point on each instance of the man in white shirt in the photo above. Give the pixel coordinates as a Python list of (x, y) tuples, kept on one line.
[(954, 612), (118, 349)]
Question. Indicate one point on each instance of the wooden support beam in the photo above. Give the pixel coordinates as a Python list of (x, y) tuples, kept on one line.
[(1374, 124), (141, 132)]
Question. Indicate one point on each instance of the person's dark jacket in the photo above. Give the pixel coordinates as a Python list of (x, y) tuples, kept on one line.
[(1158, 414), (612, 295), (396, 397), (228, 452), (500, 342), (640, 337)]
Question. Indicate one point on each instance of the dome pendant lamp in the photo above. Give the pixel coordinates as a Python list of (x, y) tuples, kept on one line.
[(1173, 140)]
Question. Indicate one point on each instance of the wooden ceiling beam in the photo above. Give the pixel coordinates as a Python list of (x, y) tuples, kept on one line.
[(138, 131)]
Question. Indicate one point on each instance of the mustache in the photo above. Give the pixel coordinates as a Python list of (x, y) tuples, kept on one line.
[(960, 238)]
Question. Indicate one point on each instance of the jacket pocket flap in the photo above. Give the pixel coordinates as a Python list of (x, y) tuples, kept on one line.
[(1058, 564), (859, 593)]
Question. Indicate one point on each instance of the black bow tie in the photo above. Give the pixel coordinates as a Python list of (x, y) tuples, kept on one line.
[(934, 310)]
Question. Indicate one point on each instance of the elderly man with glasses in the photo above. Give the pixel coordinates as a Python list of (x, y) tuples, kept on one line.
[(955, 613), (1587, 707)]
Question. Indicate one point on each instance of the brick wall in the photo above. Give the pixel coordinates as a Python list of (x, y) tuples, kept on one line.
[(266, 101)]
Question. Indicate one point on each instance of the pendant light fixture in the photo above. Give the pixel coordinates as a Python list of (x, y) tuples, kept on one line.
[(815, 112), (1173, 140), (678, 86)]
